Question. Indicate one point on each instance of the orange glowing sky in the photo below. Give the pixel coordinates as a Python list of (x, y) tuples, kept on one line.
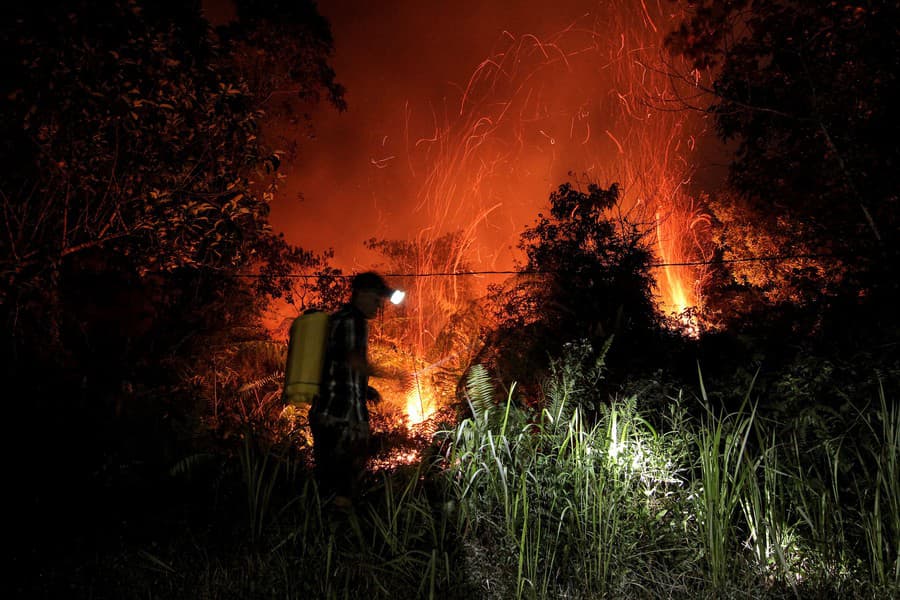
[(409, 156)]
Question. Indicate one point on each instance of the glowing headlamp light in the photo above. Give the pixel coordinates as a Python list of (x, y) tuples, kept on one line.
[(397, 297)]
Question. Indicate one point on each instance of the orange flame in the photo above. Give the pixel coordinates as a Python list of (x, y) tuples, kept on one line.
[(679, 283), (419, 406), (675, 295)]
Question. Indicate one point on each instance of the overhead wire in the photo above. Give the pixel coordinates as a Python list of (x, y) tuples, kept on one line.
[(694, 263)]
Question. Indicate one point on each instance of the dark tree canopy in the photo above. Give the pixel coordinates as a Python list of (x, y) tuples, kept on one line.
[(807, 91), (126, 126), (587, 278), (284, 47), (131, 142), (134, 196), (136, 176)]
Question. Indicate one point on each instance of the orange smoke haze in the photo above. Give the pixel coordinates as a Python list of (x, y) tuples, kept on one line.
[(466, 115)]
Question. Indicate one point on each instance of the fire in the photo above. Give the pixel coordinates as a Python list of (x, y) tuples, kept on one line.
[(680, 279), (419, 407), (394, 460), (524, 124), (594, 101), (456, 183), (675, 296)]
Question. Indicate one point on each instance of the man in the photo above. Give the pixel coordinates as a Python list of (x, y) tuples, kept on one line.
[(339, 418)]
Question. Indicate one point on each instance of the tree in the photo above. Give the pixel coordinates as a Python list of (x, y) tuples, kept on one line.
[(284, 47), (282, 50), (586, 277), (129, 137), (806, 91), (134, 197)]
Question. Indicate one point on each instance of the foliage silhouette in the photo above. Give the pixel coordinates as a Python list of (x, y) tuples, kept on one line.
[(586, 278)]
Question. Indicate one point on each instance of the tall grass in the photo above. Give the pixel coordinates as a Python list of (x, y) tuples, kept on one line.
[(561, 500), (819, 498), (260, 472), (618, 508), (589, 499), (880, 510), (764, 506), (725, 471)]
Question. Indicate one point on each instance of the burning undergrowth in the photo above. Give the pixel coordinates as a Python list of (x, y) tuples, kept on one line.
[(412, 407)]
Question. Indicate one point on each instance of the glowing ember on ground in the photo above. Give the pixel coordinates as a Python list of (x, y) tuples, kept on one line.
[(393, 460)]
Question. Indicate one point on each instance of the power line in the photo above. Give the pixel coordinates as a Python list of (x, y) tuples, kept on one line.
[(774, 258), (695, 263)]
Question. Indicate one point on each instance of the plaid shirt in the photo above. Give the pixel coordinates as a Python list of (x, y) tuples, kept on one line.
[(342, 391)]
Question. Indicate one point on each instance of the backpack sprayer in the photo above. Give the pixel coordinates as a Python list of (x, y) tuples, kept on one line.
[(306, 353)]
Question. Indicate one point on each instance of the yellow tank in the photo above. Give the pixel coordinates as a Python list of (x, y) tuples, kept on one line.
[(306, 353)]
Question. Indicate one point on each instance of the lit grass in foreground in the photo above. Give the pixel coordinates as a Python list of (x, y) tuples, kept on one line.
[(551, 504)]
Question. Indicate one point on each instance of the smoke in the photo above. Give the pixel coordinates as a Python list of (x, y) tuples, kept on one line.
[(466, 115)]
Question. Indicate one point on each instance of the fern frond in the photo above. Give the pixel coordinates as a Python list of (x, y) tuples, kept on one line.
[(600, 363), (480, 392), (252, 386), (558, 391)]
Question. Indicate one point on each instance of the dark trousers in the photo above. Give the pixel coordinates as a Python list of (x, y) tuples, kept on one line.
[(340, 455)]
